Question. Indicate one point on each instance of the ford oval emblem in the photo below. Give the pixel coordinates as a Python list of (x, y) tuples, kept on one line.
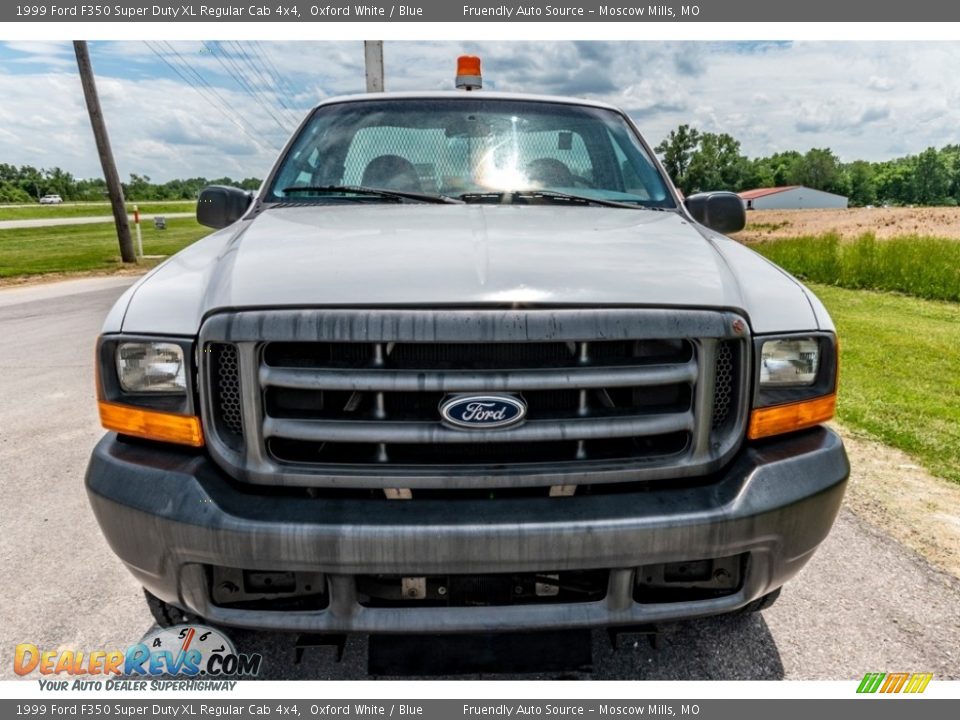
[(483, 412)]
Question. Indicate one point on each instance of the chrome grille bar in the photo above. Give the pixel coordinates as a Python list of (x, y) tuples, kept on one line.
[(703, 399), (374, 380), (391, 431)]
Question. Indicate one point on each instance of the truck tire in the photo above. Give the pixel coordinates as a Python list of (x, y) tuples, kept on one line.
[(168, 615), (761, 603)]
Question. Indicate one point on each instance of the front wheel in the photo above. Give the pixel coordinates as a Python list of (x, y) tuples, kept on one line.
[(761, 603), (168, 615)]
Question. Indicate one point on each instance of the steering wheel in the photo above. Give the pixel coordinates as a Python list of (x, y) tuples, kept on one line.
[(580, 181)]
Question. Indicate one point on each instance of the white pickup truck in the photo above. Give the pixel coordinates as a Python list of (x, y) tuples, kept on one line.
[(466, 362)]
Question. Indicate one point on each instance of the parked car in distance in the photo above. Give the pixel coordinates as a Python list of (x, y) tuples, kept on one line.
[(51, 200)]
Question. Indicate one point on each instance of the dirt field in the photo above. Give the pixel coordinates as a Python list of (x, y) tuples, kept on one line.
[(891, 491), (942, 222)]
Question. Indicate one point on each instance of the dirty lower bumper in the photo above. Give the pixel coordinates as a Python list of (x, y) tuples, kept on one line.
[(170, 515)]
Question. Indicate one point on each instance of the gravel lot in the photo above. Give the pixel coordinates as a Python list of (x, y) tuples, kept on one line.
[(882, 222), (865, 602)]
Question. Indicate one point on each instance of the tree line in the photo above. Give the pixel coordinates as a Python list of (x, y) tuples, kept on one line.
[(698, 161), (28, 184), (695, 160)]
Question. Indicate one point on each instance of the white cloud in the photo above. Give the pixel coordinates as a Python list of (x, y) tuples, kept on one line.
[(863, 100), (48, 54), (824, 117), (161, 129), (883, 84)]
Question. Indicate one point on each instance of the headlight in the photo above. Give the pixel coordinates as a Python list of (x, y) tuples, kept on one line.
[(795, 383), (151, 367), (146, 388), (789, 362)]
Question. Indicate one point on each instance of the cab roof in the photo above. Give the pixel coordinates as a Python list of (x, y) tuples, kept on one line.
[(472, 95)]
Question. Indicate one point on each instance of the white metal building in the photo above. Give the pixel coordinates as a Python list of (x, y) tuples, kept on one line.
[(791, 197)]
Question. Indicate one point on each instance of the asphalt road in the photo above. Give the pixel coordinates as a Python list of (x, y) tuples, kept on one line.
[(864, 604), (52, 222)]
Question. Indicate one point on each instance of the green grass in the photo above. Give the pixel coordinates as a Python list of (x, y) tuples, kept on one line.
[(90, 209), (926, 267), (900, 372), (80, 248)]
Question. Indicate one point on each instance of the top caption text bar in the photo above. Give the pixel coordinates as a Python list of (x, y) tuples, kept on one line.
[(453, 11)]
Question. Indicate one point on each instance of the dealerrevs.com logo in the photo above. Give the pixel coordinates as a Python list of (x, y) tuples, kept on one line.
[(891, 683), (182, 651)]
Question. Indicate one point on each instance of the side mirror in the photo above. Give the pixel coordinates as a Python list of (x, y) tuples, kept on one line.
[(220, 206), (720, 211)]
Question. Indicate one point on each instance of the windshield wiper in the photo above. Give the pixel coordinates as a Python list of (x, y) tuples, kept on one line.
[(549, 194), (379, 192)]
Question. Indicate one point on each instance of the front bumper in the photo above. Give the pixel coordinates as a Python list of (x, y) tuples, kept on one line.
[(170, 514)]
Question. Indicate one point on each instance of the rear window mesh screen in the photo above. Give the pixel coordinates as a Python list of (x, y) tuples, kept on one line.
[(443, 163)]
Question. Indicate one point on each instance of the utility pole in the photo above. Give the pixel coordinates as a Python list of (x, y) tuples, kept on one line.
[(114, 188), (373, 58)]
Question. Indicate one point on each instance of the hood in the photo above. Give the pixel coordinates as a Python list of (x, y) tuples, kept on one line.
[(454, 255)]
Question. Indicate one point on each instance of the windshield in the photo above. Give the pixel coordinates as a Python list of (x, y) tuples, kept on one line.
[(470, 148)]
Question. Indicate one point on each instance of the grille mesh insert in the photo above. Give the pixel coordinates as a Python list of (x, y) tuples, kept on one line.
[(725, 390), (227, 378)]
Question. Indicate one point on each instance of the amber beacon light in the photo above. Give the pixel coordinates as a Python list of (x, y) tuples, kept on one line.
[(468, 73)]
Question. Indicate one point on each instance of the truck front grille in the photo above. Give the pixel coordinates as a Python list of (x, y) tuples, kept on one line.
[(351, 399)]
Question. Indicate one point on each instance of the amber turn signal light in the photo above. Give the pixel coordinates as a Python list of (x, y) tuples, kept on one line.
[(779, 419), (151, 424)]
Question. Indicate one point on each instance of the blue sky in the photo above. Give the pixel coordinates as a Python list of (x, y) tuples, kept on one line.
[(870, 100)]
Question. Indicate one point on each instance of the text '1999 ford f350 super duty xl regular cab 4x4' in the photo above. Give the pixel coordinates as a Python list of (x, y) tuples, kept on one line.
[(467, 361)]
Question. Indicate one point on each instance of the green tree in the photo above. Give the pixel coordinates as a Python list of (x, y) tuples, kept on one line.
[(819, 169), (930, 179), (863, 190), (951, 158), (716, 164), (139, 188), (677, 151), (894, 182), (31, 181), (9, 173), (11, 193), (27, 183), (776, 170), (60, 182), (92, 189)]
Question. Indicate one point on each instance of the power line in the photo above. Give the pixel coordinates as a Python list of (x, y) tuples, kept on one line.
[(196, 73), (267, 64), (290, 89), (223, 107), (249, 84), (254, 70), (281, 80), (219, 104), (246, 85), (280, 91)]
